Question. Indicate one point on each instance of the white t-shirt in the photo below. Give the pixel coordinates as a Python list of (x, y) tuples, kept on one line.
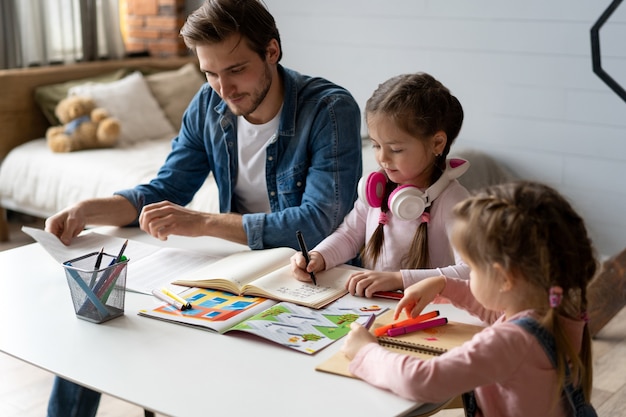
[(251, 188)]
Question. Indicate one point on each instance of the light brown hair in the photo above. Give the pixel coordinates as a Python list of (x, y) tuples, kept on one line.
[(420, 106), (530, 229)]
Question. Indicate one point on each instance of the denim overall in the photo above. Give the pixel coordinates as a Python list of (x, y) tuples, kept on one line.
[(574, 395)]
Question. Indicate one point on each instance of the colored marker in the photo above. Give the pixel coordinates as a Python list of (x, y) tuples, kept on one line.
[(106, 275), (370, 321), (88, 291), (382, 331), (186, 304), (111, 280), (417, 327), (109, 276), (163, 297)]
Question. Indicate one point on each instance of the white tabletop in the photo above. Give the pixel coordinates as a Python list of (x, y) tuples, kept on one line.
[(171, 369)]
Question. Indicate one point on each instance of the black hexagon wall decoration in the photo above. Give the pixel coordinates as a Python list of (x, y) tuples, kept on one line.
[(595, 51)]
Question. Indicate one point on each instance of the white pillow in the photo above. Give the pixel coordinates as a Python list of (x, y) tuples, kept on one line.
[(129, 100)]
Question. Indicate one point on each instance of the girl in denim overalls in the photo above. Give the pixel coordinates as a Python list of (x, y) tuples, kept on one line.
[(531, 260)]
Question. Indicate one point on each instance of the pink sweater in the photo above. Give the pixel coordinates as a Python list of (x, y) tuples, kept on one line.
[(505, 365), (359, 225)]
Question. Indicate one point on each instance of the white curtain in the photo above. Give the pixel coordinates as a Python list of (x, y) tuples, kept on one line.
[(61, 31)]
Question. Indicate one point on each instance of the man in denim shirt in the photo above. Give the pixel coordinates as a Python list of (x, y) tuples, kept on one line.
[(310, 158), (284, 148)]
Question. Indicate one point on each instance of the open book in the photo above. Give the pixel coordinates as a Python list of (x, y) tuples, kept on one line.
[(424, 344), (267, 273), (296, 327)]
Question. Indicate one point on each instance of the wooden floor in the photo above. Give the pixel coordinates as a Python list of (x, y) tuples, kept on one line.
[(24, 388)]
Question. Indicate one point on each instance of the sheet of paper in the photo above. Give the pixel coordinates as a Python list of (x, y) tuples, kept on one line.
[(81, 245), (149, 266)]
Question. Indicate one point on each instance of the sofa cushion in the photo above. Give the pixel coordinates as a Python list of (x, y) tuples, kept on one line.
[(173, 90), (131, 102), (48, 96)]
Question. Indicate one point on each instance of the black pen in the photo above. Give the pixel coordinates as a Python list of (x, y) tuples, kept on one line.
[(305, 253), (96, 267)]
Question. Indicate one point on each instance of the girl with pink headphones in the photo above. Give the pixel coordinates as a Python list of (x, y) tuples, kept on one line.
[(399, 225)]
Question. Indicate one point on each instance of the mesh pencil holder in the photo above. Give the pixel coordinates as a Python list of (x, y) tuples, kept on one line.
[(97, 293)]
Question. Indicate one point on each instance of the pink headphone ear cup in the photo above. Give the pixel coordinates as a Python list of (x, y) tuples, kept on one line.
[(372, 189), (407, 202)]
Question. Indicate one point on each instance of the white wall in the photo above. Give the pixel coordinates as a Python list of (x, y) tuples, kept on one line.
[(521, 69)]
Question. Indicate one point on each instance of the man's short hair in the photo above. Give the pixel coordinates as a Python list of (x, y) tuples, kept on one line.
[(216, 20)]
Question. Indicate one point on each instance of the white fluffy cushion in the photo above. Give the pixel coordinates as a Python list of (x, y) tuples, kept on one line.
[(131, 102), (174, 90)]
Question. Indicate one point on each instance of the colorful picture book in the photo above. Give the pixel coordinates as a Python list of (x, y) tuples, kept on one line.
[(424, 344), (297, 327), (267, 273)]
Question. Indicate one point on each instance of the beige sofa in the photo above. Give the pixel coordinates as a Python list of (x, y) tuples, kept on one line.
[(38, 182)]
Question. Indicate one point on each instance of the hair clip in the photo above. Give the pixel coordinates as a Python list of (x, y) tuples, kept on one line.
[(556, 295), (584, 316), (382, 218)]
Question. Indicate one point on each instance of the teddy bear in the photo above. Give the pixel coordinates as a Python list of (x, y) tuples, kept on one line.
[(85, 126)]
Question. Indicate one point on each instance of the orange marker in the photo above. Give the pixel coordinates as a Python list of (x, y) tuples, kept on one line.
[(382, 331)]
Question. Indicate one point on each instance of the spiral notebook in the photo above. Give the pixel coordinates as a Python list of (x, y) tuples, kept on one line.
[(424, 344)]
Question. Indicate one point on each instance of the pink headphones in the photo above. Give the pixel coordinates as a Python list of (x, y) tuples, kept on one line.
[(408, 202)]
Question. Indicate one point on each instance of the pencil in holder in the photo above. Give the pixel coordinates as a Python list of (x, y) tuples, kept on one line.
[(97, 293)]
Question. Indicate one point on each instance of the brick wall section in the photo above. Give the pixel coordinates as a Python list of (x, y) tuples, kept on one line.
[(152, 26)]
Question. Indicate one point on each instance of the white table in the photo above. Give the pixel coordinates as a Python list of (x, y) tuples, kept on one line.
[(163, 367)]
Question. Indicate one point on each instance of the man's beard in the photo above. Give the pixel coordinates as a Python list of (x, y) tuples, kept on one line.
[(257, 96)]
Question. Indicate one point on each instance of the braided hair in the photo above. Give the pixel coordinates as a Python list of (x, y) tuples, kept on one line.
[(530, 229)]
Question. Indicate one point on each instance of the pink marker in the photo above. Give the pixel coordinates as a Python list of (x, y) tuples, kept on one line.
[(398, 331)]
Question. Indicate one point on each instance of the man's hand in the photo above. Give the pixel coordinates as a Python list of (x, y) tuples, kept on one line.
[(66, 224), (110, 211), (163, 219)]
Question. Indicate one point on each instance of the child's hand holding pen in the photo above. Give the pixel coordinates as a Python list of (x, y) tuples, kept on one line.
[(305, 254), (301, 271)]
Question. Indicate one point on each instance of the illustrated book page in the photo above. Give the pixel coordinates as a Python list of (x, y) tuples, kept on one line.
[(267, 273), (309, 330), (423, 344), (212, 310), (296, 327)]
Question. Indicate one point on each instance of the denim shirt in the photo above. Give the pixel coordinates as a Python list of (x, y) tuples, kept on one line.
[(312, 167)]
